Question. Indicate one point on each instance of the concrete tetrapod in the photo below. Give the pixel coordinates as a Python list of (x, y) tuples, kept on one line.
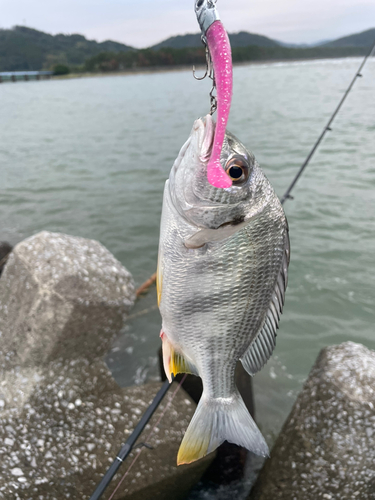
[(61, 296), (326, 449)]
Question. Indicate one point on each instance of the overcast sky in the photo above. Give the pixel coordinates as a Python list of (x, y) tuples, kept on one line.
[(142, 23)]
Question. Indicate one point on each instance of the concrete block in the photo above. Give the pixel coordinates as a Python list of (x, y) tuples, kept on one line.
[(73, 425), (326, 449), (61, 296)]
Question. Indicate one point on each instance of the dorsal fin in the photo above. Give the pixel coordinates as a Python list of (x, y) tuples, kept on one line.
[(261, 348)]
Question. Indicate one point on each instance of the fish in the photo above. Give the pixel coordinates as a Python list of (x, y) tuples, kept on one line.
[(221, 280)]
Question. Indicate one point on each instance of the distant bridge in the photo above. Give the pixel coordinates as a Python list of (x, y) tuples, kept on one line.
[(14, 76)]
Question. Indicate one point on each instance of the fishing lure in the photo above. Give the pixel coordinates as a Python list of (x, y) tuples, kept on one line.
[(217, 41)]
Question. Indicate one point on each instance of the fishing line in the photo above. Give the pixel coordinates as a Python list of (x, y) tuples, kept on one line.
[(327, 128)]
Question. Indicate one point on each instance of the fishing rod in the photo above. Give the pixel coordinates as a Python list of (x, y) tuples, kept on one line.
[(127, 447), (327, 128)]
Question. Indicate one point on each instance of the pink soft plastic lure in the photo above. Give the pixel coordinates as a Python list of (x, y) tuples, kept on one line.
[(221, 55)]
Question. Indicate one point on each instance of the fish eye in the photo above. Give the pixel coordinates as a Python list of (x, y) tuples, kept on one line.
[(235, 172), (237, 169)]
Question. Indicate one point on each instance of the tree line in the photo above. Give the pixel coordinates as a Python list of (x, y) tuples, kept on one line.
[(168, 57)]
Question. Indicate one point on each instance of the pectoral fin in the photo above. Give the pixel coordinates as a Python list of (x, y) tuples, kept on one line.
[(173, 361), (210, 235)]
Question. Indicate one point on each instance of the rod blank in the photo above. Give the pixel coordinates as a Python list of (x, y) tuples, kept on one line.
[(326, 128), (127, 447)]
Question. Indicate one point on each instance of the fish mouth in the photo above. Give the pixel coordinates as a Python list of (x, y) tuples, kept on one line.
[(183, 189), (205, 127)]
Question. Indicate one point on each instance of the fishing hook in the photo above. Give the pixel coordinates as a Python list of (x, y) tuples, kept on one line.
[(213, 98), (208, 61), (202, 77), (210, 73)]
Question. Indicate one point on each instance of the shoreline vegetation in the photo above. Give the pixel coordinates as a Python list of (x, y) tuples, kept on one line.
[(184, 67), (168, 58)]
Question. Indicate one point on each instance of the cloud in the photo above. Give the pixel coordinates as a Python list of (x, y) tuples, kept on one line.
[(146, 31), (145, 22)]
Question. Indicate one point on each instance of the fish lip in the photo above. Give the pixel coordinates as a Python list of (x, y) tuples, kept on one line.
[(207, 131)]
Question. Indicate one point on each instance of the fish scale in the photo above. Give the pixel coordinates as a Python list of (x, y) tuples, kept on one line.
[(223, 256)]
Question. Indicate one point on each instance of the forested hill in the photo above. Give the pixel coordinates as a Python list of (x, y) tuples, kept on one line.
[(24, 48), (363, 39), (244, 39), (241, 39)]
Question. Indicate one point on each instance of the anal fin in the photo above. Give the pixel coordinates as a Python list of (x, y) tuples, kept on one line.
[(174, 362)]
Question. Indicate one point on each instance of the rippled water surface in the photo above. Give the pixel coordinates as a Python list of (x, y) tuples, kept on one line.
[(89, 157)]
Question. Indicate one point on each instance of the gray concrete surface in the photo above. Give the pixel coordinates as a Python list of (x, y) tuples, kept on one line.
[(326, 449), (73, 425), (61, 296)]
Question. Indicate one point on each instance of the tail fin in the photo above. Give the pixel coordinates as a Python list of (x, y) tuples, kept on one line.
[(217, 420)]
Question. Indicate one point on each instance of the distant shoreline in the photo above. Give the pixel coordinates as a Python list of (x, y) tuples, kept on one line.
[(187, 67)]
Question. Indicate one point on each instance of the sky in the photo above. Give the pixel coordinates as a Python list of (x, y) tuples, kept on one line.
[(141, 23)]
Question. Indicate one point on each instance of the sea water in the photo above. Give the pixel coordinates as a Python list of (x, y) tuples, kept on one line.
[(89, 157)]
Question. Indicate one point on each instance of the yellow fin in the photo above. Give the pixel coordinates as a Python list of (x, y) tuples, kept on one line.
[(179, 364), (191, 450), (173, 361)]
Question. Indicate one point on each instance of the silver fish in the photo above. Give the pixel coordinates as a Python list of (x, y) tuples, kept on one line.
[(221, 279)]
